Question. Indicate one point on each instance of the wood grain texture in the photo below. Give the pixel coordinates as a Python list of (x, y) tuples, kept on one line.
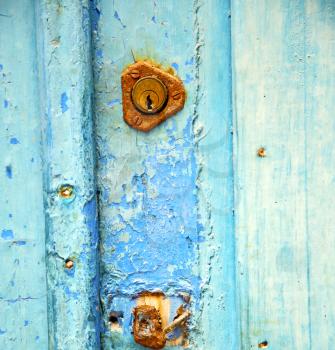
[(23, 313), (71, 223), (319, 103), (219, 324), (283, 99)]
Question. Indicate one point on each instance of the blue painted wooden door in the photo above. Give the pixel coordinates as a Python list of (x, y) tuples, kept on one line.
[(225, 208)]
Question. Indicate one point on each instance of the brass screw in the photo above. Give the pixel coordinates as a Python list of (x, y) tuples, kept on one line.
[(135, 73), (66, 191), (69, 263), (176, 95), (261, 152), (137, 120)]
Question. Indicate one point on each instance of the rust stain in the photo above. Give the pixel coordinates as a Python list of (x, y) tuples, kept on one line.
[(159, 301), (152, 62), (147, 327), (175, 95), (162, 304)]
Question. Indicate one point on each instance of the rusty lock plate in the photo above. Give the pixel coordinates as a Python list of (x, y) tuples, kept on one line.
[(150, 95), (148, 329)]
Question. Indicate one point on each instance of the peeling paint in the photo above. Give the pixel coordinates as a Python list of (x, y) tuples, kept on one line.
[(147, 183)]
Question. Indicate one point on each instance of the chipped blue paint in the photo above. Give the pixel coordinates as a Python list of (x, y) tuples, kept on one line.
[(188, 79), (20, 242), (116, 16), (5, 103), (7, 234), (175, 66), (63, 102), (99, 53), (190, 62), (113, 102), (9, 171), (14, 141)]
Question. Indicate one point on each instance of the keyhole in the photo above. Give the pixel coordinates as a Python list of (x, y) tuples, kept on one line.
[(149, 103)]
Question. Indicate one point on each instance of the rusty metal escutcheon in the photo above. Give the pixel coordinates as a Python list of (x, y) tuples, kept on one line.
[(150, 95)]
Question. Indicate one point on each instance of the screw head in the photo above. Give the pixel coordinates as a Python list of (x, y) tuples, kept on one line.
[(176, 95), (69, 264), (66, 191), (137, 120), (135, 73)]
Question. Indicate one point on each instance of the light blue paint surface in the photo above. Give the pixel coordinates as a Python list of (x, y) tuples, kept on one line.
[(284, 88), (23, 304), (219, 319), (252, 244)]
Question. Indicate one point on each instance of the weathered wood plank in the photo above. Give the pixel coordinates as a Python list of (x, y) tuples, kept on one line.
[(271, 223), (71, 223), (219, 319), (319, 102), (147, 184), (23, 320), (150, 184)]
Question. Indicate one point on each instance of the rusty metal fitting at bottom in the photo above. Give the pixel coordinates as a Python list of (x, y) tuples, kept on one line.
[(147, 326)]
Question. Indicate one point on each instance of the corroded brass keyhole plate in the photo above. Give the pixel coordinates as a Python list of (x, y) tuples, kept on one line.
[(150, 95)]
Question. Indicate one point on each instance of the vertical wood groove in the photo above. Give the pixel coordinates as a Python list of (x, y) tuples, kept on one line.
[(71, 223)]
